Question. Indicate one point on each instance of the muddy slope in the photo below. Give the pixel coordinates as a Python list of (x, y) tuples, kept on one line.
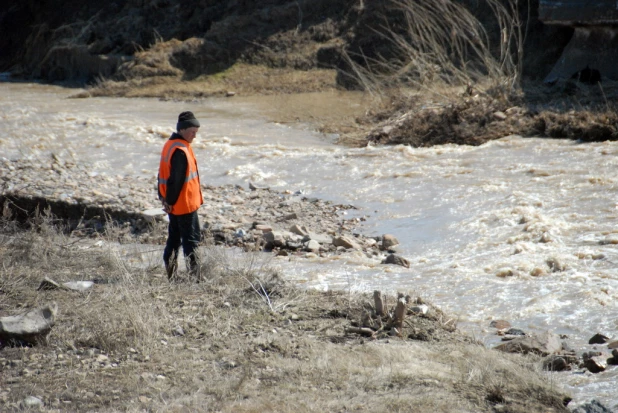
[(83, 40)]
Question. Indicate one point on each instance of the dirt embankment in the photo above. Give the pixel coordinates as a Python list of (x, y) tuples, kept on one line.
[(200, 48)]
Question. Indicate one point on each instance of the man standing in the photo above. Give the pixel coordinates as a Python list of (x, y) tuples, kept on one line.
[(181, 195)]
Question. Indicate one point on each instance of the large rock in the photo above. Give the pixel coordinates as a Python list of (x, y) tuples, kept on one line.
[(595, 364), (543, 344), (345, 242), (312, 245), (556, 363), (274, 239), (598, 338), (396, 260), (321, 238), (32, 327), (388, 241)]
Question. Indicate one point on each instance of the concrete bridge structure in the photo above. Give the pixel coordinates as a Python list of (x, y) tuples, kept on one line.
[(592, 53)]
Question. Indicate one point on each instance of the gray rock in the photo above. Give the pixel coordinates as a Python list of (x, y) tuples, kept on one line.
[(544, 344), (321, 238), (388, 241), (274, 238), (32, 327), (312, 245), (396, 260), (345, 242)]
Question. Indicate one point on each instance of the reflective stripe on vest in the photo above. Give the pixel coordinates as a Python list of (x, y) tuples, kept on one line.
[(190, 197)]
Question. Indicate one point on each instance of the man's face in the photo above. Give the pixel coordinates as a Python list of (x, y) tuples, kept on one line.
[(189, 134)]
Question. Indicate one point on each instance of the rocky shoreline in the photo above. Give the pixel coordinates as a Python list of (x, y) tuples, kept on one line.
[(252, 218)]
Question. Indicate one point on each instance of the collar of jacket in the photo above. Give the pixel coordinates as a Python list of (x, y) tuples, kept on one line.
[(177, 136)]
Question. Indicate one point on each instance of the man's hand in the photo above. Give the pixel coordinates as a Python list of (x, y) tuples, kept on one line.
[(166, 207)]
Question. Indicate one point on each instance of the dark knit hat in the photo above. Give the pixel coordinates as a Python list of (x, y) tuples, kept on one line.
[(187, 120)]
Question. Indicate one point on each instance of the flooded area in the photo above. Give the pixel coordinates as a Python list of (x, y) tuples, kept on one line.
[(518, 229)]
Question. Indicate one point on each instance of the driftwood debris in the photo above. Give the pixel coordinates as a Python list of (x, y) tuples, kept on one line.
[(400, 313), (363, 331), (379, 305), (378, 321)]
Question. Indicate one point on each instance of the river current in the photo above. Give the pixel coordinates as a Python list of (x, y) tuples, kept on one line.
[(522, 229)]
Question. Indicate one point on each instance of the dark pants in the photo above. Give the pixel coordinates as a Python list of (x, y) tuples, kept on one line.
[(183, 230)]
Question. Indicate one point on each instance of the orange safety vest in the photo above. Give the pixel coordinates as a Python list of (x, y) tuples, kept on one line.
[(190, 197)]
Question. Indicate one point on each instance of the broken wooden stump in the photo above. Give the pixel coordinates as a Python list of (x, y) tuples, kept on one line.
[(379, 305)]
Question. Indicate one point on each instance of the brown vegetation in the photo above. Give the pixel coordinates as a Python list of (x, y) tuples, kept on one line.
[(242, 340)]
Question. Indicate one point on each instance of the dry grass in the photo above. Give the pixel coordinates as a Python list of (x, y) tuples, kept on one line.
[(241, 341), (241, 79), (443, 44)]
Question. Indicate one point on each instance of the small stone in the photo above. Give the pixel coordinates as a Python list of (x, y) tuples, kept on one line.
[(102, 358), (419, 309), (31, 401), (498, 115), (612, 345)]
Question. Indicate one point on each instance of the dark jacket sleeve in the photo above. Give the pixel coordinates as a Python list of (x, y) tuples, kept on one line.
[(177, 177)]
